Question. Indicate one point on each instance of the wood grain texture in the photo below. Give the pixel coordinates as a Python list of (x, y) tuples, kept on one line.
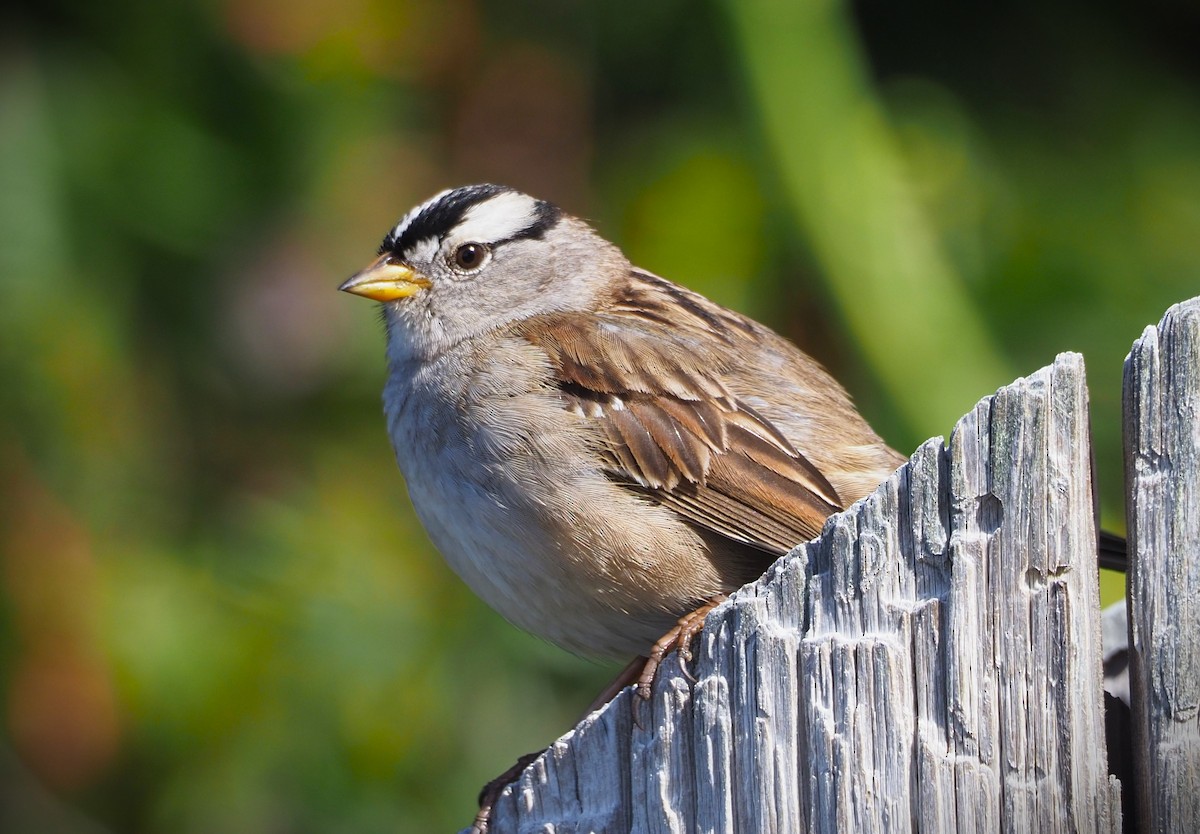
[(930, 663), (1162, 440)]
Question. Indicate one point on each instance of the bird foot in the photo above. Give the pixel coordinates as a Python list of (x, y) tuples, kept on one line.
[(679, 638)]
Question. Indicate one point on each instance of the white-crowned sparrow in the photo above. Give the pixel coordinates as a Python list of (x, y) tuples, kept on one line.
[(595, 450)]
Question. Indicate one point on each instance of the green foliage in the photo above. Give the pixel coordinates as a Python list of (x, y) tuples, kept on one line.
[(217, 609)]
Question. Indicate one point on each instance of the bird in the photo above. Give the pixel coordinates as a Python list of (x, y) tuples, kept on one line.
[(601, 454), (595, 450)]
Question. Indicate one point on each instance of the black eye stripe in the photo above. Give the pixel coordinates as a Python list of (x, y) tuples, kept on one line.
[(548, 215)]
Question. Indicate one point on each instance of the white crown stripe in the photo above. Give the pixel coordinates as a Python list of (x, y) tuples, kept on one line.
[(497, 218)]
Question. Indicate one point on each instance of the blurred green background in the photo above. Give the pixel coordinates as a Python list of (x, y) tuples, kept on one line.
[(217, 611)]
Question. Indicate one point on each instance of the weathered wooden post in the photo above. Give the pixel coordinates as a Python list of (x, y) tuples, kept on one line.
[(1162, 476), (932, 661)]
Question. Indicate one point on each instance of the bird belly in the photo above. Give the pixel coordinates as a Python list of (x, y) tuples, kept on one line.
[(510, 518)]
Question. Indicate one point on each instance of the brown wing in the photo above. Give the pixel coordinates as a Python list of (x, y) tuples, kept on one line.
[(671, 428)]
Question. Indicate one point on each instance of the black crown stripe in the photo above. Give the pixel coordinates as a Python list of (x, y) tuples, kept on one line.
[(437, 219)]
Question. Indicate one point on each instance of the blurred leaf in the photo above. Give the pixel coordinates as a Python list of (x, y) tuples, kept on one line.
[(848, 188)]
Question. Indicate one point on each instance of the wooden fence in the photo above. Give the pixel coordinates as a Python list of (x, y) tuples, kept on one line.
[(933, 661)]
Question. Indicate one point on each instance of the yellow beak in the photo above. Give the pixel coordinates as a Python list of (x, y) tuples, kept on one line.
[(385, 280)]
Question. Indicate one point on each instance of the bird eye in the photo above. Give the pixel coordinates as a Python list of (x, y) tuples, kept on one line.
[(470, 255)]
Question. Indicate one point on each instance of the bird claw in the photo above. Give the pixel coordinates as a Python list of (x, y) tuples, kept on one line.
[(678, 639)]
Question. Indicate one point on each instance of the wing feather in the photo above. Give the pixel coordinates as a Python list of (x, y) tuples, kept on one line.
[(670, 428)]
